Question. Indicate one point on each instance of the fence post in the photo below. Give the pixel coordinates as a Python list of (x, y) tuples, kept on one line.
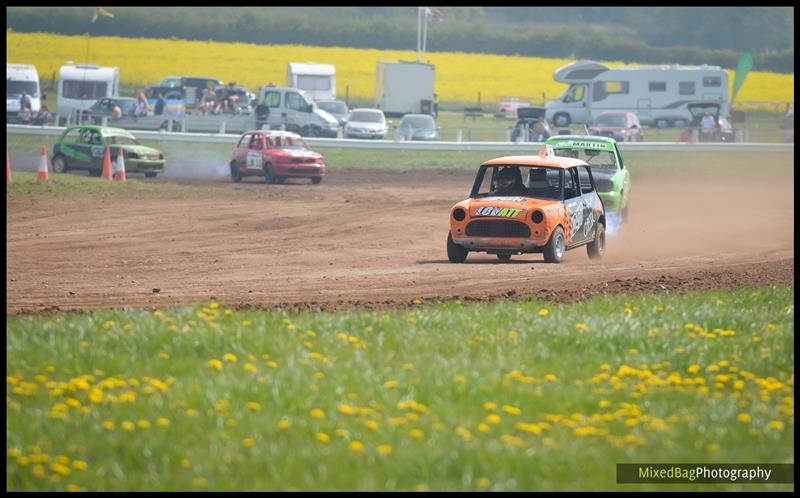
[(458, 135), (508, 134), (169, 125), (183, 124), (222, 127), (469, 134)]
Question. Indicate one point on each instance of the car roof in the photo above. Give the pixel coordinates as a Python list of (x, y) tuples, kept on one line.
[(274, 133), (547, 162), (559, 140), (368, 109), (104, 130)]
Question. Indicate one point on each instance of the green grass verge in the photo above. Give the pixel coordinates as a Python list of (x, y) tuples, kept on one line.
[(445, 396), (25, 183)]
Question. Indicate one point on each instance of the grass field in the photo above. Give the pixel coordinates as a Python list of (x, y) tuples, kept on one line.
[(520, 395)]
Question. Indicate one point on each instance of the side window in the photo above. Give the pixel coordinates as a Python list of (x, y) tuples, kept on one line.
[(244, 141), (712, 81), (657, 86), (571, 184), (585, 179), (72, 136), (269, 142), (293, 101), (486, 183), (255, 142), (273, 99), (603, 89), (575, 94), (686, 87)]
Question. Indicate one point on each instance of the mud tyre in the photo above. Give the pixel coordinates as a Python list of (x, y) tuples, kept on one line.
[(556, 247), (455, 252), (597, 248)]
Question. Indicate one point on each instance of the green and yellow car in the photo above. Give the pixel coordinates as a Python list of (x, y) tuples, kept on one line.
[(611, 178), (84, 146)]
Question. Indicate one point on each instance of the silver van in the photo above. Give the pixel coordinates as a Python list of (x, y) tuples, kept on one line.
[(294, 110)]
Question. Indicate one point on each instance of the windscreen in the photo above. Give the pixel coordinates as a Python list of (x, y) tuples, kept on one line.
[(596, 159), (366, 117), (421, 122), (14, 88), (122, 140), (611, 120), (333, 107), (83, 90)]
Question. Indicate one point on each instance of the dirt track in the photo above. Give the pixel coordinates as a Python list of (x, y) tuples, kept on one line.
[(371, 238)]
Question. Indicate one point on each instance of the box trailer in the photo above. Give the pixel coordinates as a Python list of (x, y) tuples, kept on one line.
[(658, 95), (404, 87), (317, 80), (21, 77), (81, 85)]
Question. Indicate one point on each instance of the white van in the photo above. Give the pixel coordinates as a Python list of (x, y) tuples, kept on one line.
[(658, 95), (294, 110), (21, 77), (319, 80), (81, 85)]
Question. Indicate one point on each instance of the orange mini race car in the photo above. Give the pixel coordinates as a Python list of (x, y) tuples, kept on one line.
[(529, 204)]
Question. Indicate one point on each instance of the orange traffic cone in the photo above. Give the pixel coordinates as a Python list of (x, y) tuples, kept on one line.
[(107, 165), (8, 168), (41, 175), (119, 174)]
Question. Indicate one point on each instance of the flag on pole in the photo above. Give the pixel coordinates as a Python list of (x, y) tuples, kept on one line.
[(100, 11), (742, 69), (433, 14)]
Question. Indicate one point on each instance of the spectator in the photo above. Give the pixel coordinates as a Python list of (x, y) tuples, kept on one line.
[(24, 114), (43, 117), (116, 111), (436, 105), (539, 132), (160, 105), (140, 108), (707, 126), (25, 101), (207, 100), (262, 115)]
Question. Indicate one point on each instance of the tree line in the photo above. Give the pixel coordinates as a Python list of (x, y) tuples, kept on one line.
[(473, 29)]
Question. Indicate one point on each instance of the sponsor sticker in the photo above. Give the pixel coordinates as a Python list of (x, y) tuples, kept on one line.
[(497, 211)]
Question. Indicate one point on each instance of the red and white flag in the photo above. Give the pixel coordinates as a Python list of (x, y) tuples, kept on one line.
[(433, 14)]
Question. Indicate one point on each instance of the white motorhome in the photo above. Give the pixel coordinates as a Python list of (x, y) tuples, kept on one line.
[(295, 110), (21, 77), (404, 87), (81, 85), (658, 95), (318, 80)]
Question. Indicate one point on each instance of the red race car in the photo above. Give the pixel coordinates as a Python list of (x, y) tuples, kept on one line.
[(275, 155)]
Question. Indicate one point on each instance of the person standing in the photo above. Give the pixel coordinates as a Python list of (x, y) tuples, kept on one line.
[(262, 115), (160, 105), (707, 126)]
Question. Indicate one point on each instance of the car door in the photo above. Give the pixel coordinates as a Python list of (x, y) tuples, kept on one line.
[(254, 155), (240, 154), (89, 150), (578, 208), (592, 205)]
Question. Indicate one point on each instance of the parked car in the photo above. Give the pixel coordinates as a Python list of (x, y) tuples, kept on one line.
[(366, 123), (275, 155), (531, 126), (723, 129), (103, 108), (787, 125), (244, 99), (621, 126), (417, 127), (175, 87), (528, 204), (84, 146), (612, 179), (337, 108)]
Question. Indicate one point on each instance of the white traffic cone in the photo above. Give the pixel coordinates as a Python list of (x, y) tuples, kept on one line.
[(119, 173), (41, 175)]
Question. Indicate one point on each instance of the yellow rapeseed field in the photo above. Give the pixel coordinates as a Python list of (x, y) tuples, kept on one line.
[(460, 77)]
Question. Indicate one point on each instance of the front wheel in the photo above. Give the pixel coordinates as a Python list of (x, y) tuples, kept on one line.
[(150, 174), (597, 247), (316, 180), (268, 176), (504, 257), (662, 123), (59, 164), (561, 119), (554, 250), (455, 252), (236, 175), (95, 172)]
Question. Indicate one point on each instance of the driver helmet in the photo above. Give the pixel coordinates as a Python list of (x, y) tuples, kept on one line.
[(506, 178)]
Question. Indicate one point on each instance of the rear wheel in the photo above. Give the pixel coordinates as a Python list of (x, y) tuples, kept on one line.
[(455, 252), (597, 248), (59, 164), (316, 180), (662, 123), (268, 176), (504, 256), (150, 174), (554, 250), (561, 119), (236, 175)]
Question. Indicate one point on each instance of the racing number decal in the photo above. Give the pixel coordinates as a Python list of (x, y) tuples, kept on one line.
[(496, 211), (581, 218), (254, 160), (98, 151)]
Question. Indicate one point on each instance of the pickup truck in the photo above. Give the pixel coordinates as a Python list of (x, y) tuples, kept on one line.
[(188, 88)]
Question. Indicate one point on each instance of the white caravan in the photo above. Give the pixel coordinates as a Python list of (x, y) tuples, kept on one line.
[(404, 87), (81, 85), (21, 77), (658, 95), (318, 80)]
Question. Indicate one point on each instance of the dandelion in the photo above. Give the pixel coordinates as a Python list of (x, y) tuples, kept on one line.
[(200, 482), (493, 418), (356, 446), (511, 410), (416, 433), (143, 424), (38, 471), (321, 436), (191, 412), (490, 406), (484, 428), (712, 447), (372, 425), (164, 356), (215, 364), (482, 483), (543, 312), (776, 424), (317, 413), (162, 421), (229, 357), (253, 406), (550, 378), (693, 369), (248, 442), (581, 326), (390, 384), (604, 403), (60, 469), (744, 418), (79, 465), (108, 425), (128, 425), (408, 366), (384, 449)]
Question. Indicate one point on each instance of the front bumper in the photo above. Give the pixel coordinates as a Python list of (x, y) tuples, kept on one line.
[(144, 165), (365, 134), (490, 244), (299, 170)]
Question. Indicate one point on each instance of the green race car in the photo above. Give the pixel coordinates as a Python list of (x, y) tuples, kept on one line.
[(612, 179), (84, 146)]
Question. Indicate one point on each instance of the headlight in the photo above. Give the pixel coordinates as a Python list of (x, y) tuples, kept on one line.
[(130, 155), (537, 217), (459, 214)]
